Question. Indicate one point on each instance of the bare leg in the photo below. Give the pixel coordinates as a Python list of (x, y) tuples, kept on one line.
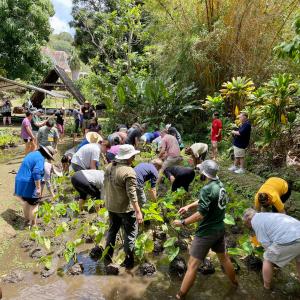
[(189, 276), (9, 120), (228, 267), (81, 204), (237, 161), (26, 210), (4, 121), (267, 274), (214, 150), (33, 214), (242, 162)]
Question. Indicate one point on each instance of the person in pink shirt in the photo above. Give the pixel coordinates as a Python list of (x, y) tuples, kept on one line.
[(169, 152), (216, 134), (112, 152), (27, 134)]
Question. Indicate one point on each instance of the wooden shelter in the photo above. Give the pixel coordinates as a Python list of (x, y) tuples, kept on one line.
[(51, 82)]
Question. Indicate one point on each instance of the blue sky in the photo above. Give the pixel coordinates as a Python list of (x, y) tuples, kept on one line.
[(62, 16)]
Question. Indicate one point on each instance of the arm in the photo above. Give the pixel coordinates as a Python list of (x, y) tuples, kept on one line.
[(153, 194), (93, 165), (29, 131), (163, 147), (279, 205), (188, 207), (131, 193)]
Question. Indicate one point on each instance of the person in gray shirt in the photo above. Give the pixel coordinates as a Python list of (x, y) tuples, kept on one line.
[(279, 234), (48, 134)]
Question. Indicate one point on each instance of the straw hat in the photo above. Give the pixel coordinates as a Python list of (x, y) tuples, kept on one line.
[(49, 150), (93, 137), (126, 151)]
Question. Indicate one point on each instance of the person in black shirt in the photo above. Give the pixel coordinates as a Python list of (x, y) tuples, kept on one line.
[(60, 121), (180, 177), (134, 135), (88, 113), (240, 143)]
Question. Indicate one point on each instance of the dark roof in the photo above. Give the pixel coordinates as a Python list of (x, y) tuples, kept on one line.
[(9, 84), (57, 73)]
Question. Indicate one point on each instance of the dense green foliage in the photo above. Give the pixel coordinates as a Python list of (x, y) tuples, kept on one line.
[(24, 28), (61, 42)]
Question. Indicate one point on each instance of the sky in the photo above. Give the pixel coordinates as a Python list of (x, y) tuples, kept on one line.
[(59, 22)]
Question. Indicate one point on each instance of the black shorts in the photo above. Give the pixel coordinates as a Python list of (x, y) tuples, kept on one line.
[(6, 114), (183, 180), (84, 187), (32, 201), (201, 245)]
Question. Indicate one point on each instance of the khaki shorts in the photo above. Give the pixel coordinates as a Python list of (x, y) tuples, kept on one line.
[(201, 245), (281, 255), (85, 123), (171, 162), (239, 152)]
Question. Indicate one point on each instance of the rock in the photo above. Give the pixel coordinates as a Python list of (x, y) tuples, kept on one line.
[(27, 244), (158, 247), (207, 267), (147, 269), (112, 269), (76, 269), (96, 252), (45, 273), (182, 244), (159, 235), (13, 277), (88, 239), (253, 263), (178, 266), (37, 253)]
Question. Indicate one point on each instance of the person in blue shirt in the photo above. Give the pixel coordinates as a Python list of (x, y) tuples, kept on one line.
[(148, 137), (147, 172), (240, 143), (28, 181)]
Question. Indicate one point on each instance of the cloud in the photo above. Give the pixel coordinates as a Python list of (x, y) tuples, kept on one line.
[(59, 25), (66, 3)]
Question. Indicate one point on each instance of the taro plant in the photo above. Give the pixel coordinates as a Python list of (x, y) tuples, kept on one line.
[(143, 245), (70, 250), (170, 249)]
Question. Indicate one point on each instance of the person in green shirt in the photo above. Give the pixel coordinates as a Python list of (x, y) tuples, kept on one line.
[(210, 232)]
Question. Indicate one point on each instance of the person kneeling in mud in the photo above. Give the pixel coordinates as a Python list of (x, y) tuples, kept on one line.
[(88, 182), (180, 177), (147, 172), (211, 230), (198, 151), (273, 193)]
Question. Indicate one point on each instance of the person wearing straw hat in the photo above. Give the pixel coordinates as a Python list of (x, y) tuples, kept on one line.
[(28, 181), (211, 230), (147, 172), (122, 203), (87, 157)]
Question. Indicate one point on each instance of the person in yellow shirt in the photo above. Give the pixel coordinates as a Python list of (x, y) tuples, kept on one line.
[(274, 192)]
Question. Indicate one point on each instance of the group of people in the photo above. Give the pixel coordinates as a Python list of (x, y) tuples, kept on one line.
[(123, 189)]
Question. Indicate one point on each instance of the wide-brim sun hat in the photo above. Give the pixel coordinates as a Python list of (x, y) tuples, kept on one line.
[(126, 151), (49, 150), (209, 168), (93, 137)]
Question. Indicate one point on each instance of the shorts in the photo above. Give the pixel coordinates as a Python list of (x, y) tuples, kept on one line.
[(27, 140), (171, 162), (85, 123), (31, 201), (141, 196), (239, 152), (6, 114), (201, 245), (84, 187), (61, 128), (281, 255)]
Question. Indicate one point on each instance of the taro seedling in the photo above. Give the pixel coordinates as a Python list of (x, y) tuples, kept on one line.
[(143, 245), (170, 249)]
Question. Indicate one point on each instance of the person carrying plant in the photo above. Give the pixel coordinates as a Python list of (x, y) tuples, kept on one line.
[(273, 193), (169, 152), (198, 151), (211, 230), (122, 203), (88, 182), (147, 172), (279, 234), (37, 122), (240, 143), (216, 134), (87, 113), (48, 134)]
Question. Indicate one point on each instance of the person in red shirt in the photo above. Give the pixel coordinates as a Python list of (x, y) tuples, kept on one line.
[(216, 134)]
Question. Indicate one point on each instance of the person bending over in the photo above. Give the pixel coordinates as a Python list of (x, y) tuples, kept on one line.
[(273, 193), (180, 177), (211, 230), (198, 151)]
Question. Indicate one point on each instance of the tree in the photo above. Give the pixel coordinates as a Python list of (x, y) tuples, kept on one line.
[(62, 42), (74, 63), (24, 28)]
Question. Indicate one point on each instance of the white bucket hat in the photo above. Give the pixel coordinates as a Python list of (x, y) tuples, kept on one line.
[(93, 137), (126, 151), (209, 168)]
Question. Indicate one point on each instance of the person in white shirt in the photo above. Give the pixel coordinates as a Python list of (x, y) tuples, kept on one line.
[(198, 151), (87, 157), (88, 182), (279, 234), (50, 169)]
